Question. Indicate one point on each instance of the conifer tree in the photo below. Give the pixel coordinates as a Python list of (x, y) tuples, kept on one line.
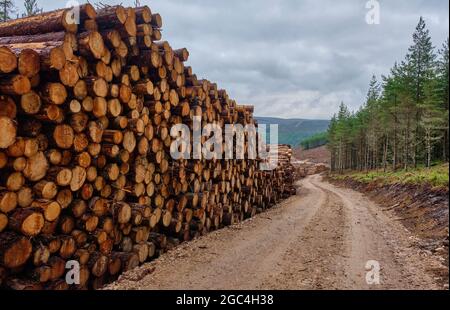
[(6, 9), (31, 8)]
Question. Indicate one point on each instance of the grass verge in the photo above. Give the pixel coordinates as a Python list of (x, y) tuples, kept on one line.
[(436, 176)]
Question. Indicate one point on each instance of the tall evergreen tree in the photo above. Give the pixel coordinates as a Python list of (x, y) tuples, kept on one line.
[(404, 120), (31, 8), (332, 141), (443, 73), (373, 122), (374, 91), (6, 9), (421, 60), (443, 91), (420, 64), (433, 120)]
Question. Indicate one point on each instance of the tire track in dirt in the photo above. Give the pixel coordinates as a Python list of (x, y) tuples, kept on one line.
[(310, 262), (374, 235), (319, 239)]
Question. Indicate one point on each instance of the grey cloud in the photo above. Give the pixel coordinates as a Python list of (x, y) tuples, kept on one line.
[(293, 58)]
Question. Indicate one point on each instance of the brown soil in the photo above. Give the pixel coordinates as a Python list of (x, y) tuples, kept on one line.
[(320, 239), (423, 210), (320, 155)]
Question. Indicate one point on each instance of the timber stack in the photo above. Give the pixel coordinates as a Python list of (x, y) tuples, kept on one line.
[(85, 168), (286, 174)]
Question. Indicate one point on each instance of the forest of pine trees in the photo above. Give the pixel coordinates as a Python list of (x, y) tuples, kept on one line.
[(315, 141), (404, 121)]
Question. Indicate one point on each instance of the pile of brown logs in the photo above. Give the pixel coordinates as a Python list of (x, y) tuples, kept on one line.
[(306, 168), (286, 172), (85, 166)]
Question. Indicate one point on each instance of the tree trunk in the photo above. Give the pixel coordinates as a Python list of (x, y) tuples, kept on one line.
[(53, 21)]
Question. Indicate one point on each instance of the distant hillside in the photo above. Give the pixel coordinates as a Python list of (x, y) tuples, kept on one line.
[(294, 131)]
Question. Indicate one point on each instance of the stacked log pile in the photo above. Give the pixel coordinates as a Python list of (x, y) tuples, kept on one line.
[(286, 174), (85, 168), (306, 168)]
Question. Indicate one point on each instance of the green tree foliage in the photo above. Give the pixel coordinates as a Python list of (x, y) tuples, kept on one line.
[(442, 76), (404, 120), (31, 8), (316, 140), (6, 9)]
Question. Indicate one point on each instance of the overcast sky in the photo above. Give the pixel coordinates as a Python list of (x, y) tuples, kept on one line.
[(292, 58)]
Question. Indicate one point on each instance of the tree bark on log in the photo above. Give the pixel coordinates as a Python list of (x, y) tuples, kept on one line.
[(54, 21)]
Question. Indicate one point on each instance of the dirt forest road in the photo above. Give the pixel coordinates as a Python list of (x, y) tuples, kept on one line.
[(320, 239)]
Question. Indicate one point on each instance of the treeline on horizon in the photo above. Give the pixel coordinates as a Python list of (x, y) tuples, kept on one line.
[(315, 141), (404, 121)]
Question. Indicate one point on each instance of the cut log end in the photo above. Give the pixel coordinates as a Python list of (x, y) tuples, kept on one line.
[(57, 58), (16, 85), (36, 167), (8, 132), (29, 63), (30, 103), (64, 136), (56, 93), (14, 250), (69, 74), (69, 21), (8, 60), (96, 45), (27, 221), (157, 20)]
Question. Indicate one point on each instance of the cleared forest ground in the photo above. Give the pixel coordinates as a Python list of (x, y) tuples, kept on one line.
[(319, 155), (417, 198)]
